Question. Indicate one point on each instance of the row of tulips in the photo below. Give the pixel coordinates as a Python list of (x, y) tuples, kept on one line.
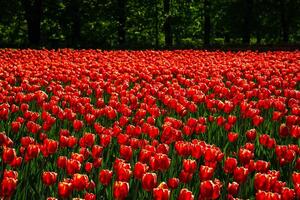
[(90, 124)]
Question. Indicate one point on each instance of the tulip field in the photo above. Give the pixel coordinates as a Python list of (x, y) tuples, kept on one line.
[(182, 124)]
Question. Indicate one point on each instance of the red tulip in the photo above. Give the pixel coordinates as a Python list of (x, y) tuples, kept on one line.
[(296, 178), (111, 113), (32, 152), (96, 151), (211, 154), (123, 120), (276, 116), (64, 189), (160, 162), (187, 130), (233, 188), (249, 146), (8, 186), (232, 137), (297, 166), (105, 176), (183, 148), (77, 125), (295, 131), (209, 190), (16, 162), (105, 140), (49, 178), (262, 166), (257, 120), (88, 167), (185, 177), (231, 119), (85, 152), (267, 141), (89, 196), (139, 170), (89, 118), (51, 198), (11, 174), (72, 141), (123, 139), (120, 189), (245, 155), (240, 174), (185, 194), (283, 130), (173, 183), (73, 166), (189, 165), (50, 147), (297, 190), (291, 120), (87, 140), (25, 141), (15, 126), (287, 193), (220, 120), (162, 148), (191, 122), (161, 193), (230, 164), (24, 107), (77, 156), (123, 173), (262, 195), (62, 162), (251, 134), (80, 181), (91, 186), (125, 152), (8, 155), (205, 172), (149, 181)]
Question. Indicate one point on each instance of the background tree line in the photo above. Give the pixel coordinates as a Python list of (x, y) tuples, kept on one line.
[(112, 24)]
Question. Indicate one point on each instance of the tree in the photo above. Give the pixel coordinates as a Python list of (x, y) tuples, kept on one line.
[(167, 24), (33, 15), (147, 23), (248, 6), (156, 24), (121, 21), (207, 25), (75, 16)]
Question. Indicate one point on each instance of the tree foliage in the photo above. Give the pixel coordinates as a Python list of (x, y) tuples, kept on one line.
[(147, 23)]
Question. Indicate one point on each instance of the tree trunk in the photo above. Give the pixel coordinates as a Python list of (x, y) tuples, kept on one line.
[(156, 25), (75, 15), (33, 14), (258, 37), (284, 22), (227, 38), (207, 26), (121, 22), (248, 6), (168, 25)]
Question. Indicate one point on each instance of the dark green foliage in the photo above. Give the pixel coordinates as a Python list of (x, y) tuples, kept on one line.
[(141, 24)]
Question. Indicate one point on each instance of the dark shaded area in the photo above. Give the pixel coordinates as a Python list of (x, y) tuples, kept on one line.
[(150, 24)]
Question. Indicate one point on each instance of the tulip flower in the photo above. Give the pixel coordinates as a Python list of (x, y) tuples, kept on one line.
[(149, 181), (49, 178), (120, 189), (65, 189), (185, 194), (105, 176), (80, 181)]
